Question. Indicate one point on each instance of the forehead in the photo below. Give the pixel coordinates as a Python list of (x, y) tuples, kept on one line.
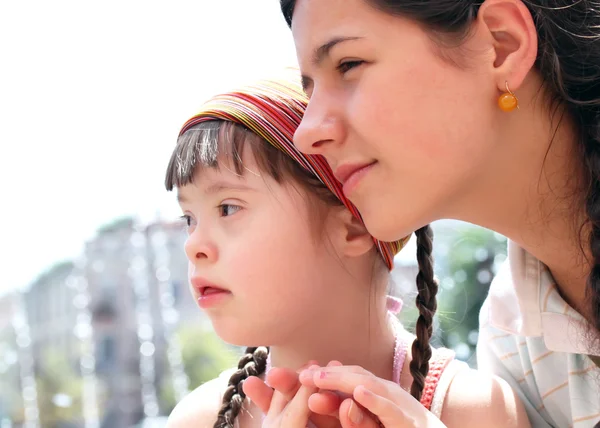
[(205, 176), (317, 22)]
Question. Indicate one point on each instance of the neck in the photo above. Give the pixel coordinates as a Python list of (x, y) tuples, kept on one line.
[(356, 335), (531, 194)]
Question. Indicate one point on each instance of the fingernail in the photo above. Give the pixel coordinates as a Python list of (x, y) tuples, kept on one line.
[(355, 414)]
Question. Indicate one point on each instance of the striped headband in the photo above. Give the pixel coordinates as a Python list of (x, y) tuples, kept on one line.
[(273, 110)]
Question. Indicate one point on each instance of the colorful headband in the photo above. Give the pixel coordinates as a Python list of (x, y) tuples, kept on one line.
[(273, 110)]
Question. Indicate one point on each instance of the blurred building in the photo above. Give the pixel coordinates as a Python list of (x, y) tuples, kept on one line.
[(51, 315), (113, 305), (10, 399)]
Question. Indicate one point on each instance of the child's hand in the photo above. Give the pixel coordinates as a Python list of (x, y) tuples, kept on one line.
[(286, 402), (393, 406), (286, 411)]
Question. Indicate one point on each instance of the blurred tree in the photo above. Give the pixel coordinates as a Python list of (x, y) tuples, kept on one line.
[(466, 260), (11, 403), (59, 388), (473, 259), (204, 356)]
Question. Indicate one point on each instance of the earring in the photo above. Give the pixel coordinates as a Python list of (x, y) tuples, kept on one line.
[(508, 101)]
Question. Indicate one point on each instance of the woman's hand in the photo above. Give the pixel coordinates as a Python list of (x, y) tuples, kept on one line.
[(285, 404), (329, 409), (387, 401)]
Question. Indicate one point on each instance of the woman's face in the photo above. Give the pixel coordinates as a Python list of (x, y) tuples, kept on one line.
[(406, 129)]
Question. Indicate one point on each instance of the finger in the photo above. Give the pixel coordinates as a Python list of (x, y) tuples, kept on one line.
[(388, 412), (352, 415), (325, 403), (306, 377), (297, 411), (260, 394), (278, 404), (283, 380), (334, 363), (346, 381)]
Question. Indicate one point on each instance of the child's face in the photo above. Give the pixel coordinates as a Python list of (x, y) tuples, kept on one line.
[(256, 265)]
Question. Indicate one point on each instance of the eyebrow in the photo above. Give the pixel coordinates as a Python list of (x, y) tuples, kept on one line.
[(323, 52), (217, 187)]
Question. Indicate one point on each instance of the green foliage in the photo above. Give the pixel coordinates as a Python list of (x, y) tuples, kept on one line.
[(473, 259), (59, 388), (467, 258), (204, 356)]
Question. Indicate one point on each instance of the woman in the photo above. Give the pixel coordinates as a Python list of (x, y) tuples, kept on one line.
[(486, 112)]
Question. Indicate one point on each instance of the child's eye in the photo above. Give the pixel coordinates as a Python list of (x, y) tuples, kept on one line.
[(346, 66), (187, 221), (226, 210)]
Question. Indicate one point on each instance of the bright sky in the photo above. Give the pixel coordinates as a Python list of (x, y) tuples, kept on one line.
[(92, 95)]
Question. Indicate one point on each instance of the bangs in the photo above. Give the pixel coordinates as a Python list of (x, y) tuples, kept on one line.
[(217, 144)]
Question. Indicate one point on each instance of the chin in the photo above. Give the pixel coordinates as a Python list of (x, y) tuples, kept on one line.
[(241, 334), (387, 228)]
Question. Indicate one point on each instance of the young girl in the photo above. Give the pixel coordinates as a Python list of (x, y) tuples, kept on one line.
[(487, 112), (280, 258)]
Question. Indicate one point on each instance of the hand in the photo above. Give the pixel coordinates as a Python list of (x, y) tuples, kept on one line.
[(284, 380), (286, 402), (285, 412), (330, 409), (393, 406)]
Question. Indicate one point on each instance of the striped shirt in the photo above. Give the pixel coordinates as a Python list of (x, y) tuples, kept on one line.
[(533, 339)]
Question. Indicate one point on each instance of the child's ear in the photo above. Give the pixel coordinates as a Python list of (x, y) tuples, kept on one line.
[(352, 237)]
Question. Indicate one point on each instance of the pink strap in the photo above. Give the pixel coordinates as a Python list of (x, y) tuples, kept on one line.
[(439, 361), (394, 304)]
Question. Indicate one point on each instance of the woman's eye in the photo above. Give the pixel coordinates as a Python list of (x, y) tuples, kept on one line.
[(226, 210), (346, 66)]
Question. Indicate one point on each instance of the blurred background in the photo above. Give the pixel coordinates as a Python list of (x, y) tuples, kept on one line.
[(97, 328)]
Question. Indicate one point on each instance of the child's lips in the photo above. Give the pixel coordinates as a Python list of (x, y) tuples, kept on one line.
[(203, 287), (205, 291), (208, 294)]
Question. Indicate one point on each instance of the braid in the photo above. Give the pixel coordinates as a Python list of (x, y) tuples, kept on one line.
[(252, 363), (427, 305)]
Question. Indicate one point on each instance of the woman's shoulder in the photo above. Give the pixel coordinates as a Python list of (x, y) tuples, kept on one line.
[(486, 398), (200, 407), (455, 390)]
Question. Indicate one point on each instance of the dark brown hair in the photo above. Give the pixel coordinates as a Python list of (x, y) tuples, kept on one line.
[(221, 144), (568, 60)]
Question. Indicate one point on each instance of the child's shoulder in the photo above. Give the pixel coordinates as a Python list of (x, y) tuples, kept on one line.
[(200, 407)]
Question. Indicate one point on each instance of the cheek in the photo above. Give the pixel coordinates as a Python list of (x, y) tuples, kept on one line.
[(273, 248), (423, 113)]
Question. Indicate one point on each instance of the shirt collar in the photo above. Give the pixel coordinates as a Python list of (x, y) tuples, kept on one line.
[(524, 300)]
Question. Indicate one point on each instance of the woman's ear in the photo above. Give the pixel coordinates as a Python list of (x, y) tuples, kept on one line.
[(514, 40)]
